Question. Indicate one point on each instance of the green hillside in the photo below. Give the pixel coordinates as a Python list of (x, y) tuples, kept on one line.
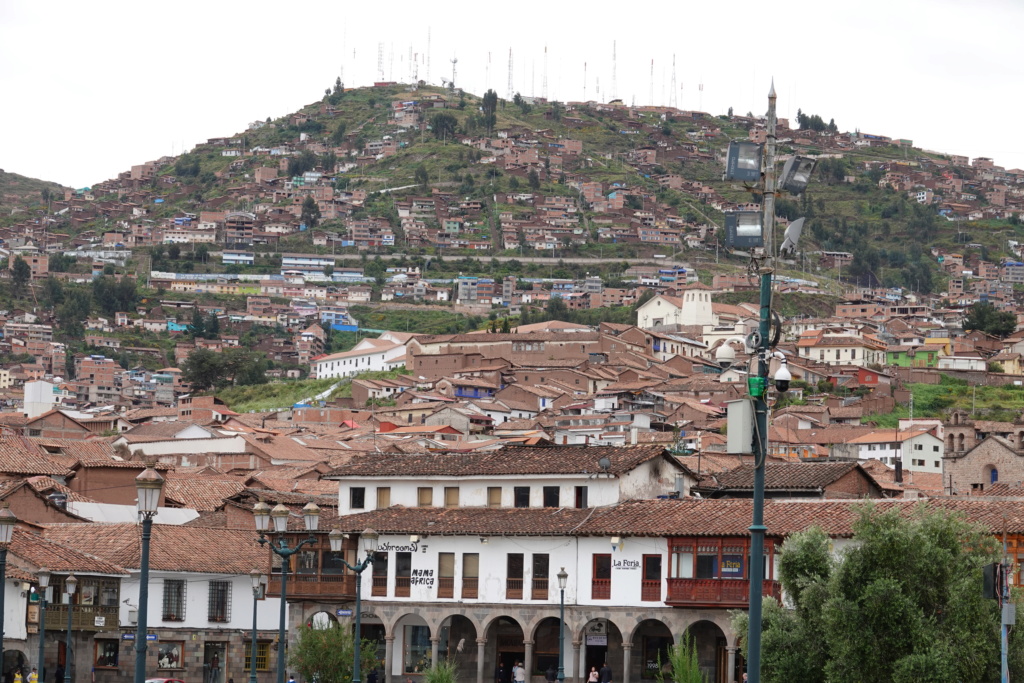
[(19, 194)]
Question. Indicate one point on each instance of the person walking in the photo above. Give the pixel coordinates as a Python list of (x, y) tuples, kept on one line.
[(606, 673), (594, 677), (551, 675), (499, 674), (34, 676), (519, 673)]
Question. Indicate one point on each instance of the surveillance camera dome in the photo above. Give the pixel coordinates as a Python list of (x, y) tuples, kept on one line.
[(725, 355), (782, 378)]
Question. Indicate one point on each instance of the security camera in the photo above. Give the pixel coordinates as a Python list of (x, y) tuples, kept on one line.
[(783, 378), (725, 355)]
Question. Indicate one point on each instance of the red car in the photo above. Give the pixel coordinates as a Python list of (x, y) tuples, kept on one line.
[(164, 680)]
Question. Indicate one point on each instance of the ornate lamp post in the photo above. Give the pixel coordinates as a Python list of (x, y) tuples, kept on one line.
[(563, 576), (369, 539), (43, 577), (7, 523), (148, 486), (257, 583), (70, 584), (279, 545)]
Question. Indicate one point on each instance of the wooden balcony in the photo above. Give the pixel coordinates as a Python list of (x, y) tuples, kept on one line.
[(402, 586), (470, 588), (539, 589), (313, 586), (513, 589), (601, 589), (732, 593), (83, 618), (446, 587), (380, 587), (650, 591)]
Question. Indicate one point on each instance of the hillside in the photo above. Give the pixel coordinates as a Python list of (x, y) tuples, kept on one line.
[(19, 194), (634, 167)]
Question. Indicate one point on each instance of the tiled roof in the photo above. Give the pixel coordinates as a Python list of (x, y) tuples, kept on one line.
[(60, 557), (201, 493), (47, 485), (511, 460), (469, 521), (174, 548), (786, 476), (19, 456)]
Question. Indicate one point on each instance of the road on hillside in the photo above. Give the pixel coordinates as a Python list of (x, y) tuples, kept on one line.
[(543, 260)]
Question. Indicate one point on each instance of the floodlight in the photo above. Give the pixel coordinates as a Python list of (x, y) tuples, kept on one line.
[(743, 230), (743, 162), (796, 174)]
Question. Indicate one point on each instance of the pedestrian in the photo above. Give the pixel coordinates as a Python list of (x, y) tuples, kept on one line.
[(594, 676), (34, 676), (17, 676), (372, 678), (59, 676), (291, 678), (551, 675), (519, 673), (606, 673), (499, 673)]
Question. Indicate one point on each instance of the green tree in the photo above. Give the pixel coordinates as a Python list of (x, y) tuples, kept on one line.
[(203, 369), (310, 212), (20, 275), (198, 327), (213, 326), (533, 178), (325, 655), (490, 108), (985, 317), (444, 126), (338, 136), (683, 662), (174, 252), (422, 177)]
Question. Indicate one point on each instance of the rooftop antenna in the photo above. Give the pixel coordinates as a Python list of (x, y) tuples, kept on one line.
[(511, 88), (380, 61), (544, 82), (700, 101), (584, 81), (650, 96), (412, 64), (672, 101), (428, 54), (454, 60), (391, 62), (487, 73), (614, 74)]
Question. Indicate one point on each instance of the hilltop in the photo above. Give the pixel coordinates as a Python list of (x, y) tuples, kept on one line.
[(19, 194)]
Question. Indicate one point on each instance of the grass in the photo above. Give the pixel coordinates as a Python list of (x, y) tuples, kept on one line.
[(1001, 404), (428, 321), (276, 395), (345, 389)]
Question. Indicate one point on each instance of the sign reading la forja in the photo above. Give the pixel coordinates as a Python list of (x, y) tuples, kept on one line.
[(732, 567), (625, 564)]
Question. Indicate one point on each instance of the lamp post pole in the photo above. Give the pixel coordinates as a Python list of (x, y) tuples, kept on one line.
[(70, 584), (279, 546), (562, 578), (43, 576), (7, 522), (757, 527), (148, 486), (257, 582), (369, 539)]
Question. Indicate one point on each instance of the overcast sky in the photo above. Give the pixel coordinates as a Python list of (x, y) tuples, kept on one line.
[(91, 88)]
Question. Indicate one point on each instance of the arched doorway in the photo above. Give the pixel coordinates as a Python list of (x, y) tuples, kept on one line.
[(457, 642), (322, 621), (712, 653), (13, 660), (545, 647), (651, 641), (601, 643), (412, 646), (504, 646)]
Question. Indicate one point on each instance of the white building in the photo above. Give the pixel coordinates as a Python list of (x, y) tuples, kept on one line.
[(369, 355)]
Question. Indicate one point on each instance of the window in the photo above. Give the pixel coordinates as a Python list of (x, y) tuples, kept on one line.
[(470, 574), (424, 496), (918, 447), (935, 449), (451, 496), (581, 497), (219, 608), (539, 588), (383, 497), (918, 463), (307, 562), (417, 649), (601, 586), (403, 573), (551, 496), (494, 496), (169, 655), (35, 432), (262, 656), (357, 497), (650, 585), (174, 600), (514, 576), (681, 562), (380, 575), (446, 575), (106, 654), (522, 496)]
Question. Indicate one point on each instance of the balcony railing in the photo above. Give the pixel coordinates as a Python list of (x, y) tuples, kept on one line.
[(402, 586), (470, 587), (601, 589), (83, 618), (380, 586), (514, 589), (446, 587), (539, 589), (314, 585), (650, 591), (716, 592)]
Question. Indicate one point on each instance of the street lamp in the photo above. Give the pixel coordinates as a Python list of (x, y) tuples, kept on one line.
[(148, 487), (369, 539), (562, 578), (7, 522), (70, 584), (43, 577), (257, 583), (263, 515)]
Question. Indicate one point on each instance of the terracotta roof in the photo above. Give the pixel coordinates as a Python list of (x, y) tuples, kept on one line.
[(201, 493), (19, 456), (216, 551), (60, 557), (469, 521), (511, 460), (786, 476)]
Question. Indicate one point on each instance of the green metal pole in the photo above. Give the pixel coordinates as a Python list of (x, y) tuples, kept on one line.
[(42, 634), (252, 653), (142, 627)]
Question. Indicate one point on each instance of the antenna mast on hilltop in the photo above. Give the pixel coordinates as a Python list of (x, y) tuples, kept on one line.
[(584, 81), (615, 85), (650, 96), (672, 101), (454, 60), (380, 61), (391, 62), (544, 82), (511, 88), (428, 54)]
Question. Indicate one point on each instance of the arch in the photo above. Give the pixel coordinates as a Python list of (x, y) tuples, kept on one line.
[(545, 645), (456, 639), (505, 644), (594, 654), (711, 643), (991, 474), (651, 639), (322, 620), (412, 647)]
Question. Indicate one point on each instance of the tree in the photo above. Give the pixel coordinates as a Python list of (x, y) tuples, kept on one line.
[(443, 126), (174, 252), (310, 212), (202, 369), (202, 252), (985, 317), (213, 326), (533, 179), (338, 136), (198, 327), (490, 108), (421, 176), (911, 579), (20, 275), (730, 112), (325, 655), (683, 662)]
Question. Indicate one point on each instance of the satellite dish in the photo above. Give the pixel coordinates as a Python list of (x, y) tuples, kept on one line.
[(604, 463), (791, 237)]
